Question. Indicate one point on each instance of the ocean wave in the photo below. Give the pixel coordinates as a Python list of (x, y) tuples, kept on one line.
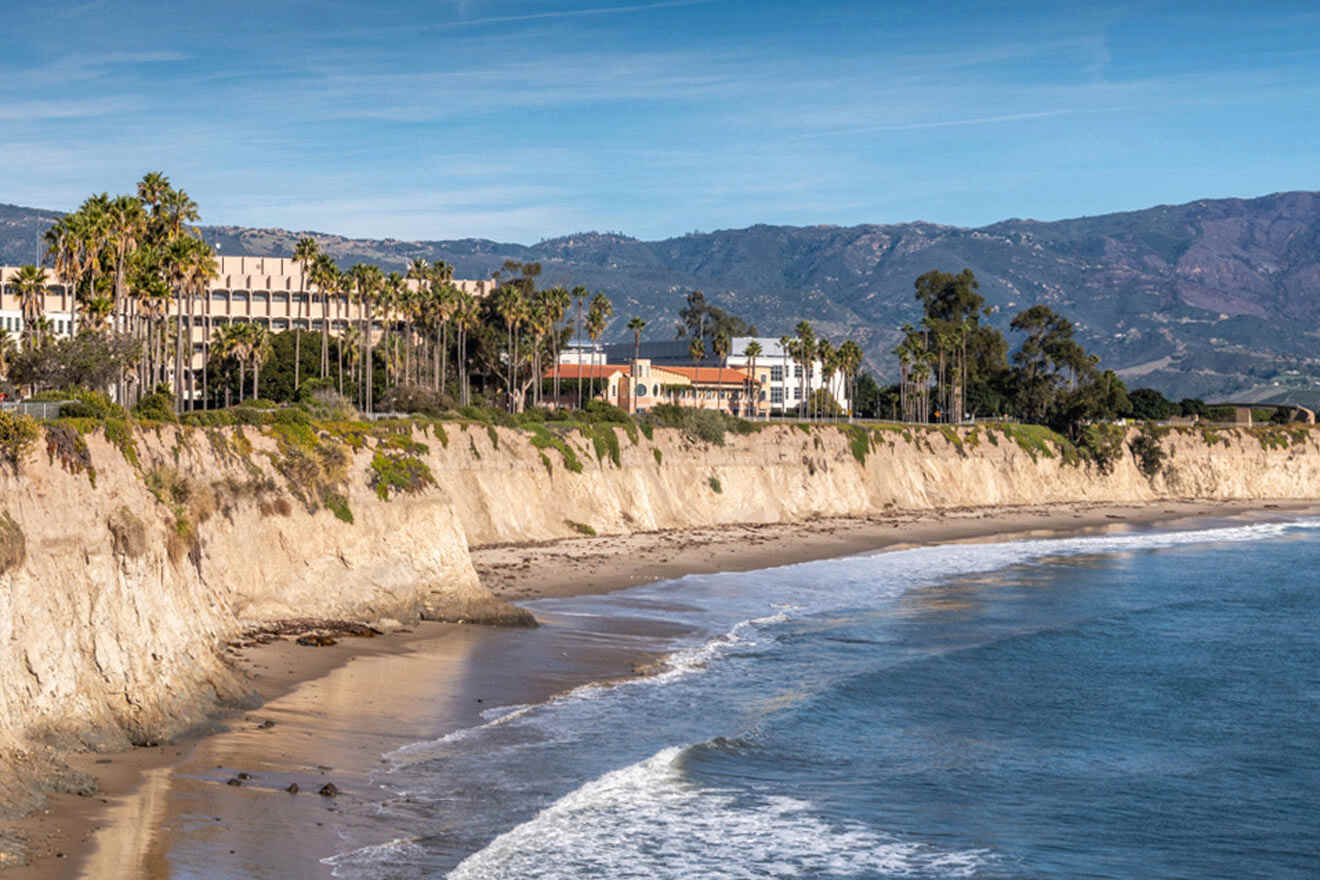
[(647, 821)]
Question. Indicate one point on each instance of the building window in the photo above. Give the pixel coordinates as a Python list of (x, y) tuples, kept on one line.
[(641, 390), (221, 295), (797, 393), (279, 297), (260, 297), (240, 296), (797, 371), (776, 374), (776, 395)]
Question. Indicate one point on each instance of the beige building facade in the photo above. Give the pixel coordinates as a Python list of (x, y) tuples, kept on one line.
[(271, 291)]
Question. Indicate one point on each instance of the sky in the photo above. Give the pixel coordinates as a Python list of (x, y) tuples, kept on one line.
[(520, 120)]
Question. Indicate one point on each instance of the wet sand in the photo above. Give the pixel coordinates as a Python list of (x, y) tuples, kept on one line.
[(336, 710)]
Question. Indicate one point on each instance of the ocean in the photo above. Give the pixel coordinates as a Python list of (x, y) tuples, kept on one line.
[(1134, 705)]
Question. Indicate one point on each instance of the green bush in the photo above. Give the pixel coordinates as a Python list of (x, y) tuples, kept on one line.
[(17, 434), (393, 473), (156, 407), (1101, 444), (581, 528), (211, 418), (707, 425), (86, 404), (543, 438), (1148, 453)]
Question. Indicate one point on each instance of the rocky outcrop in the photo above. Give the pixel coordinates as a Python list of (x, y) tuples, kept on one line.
[(120, 582)]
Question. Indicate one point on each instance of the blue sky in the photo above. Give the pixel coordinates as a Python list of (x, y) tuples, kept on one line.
[(524, 119)]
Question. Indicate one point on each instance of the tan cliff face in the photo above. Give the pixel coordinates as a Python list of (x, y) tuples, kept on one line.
[(117, 597)]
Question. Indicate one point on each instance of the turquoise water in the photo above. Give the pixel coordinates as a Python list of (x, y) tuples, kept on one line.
[(1137, 705)]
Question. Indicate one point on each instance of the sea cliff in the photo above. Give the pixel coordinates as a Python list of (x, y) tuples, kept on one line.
[(132, 554)]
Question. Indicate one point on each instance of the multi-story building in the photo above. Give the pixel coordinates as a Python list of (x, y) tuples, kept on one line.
[(639, 385), (273, 292), (782, 386)]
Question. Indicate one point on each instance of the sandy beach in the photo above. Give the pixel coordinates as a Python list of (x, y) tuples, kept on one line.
[(328, 714)]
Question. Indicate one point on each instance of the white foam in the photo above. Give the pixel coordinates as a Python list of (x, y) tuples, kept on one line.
[(645, 821)]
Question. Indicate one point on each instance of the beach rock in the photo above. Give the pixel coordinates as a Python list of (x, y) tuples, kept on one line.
[(245, 776), (317, 641), (234, 782), (293, 788), (266, 725), (328, 790)]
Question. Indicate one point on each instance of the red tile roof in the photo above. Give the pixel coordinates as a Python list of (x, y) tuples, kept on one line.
[(585, 371), (706, 375)]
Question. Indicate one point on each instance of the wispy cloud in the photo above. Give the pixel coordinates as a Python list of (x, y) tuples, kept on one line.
[(565, 13)]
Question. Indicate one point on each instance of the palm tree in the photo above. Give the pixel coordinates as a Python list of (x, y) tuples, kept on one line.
[(560, 302), (324, 274), (96, 314), (367, 282), (512, 307), (830, 364), (30, 285), (304, 254), (806, 354), (636, 325), (233, 342), (259, 351), (720, 347), (579, 294), (598, 316), (850, 361), (466, 316), (752, 352)]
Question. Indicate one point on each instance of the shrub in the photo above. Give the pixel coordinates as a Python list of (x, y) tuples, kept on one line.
[(581, 528), (1148, 453), (543, 439), (393, 473), (337, 504), (707, 425), (327, 404), (120, 434), (715, 485), (63, 442), (418, 399), (213, 418), (86, 404), (17, 434), (1101, 444), (157, 408)]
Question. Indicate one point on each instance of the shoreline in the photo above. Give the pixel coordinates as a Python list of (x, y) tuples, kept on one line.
[(333, 695)]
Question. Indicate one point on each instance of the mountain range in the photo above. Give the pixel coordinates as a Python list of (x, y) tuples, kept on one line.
[(1216, 298)]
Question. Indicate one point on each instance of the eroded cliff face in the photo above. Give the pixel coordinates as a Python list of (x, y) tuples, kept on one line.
[(121, 583), (516, 492)]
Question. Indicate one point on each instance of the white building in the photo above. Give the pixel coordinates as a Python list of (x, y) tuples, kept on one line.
[(781, 378)]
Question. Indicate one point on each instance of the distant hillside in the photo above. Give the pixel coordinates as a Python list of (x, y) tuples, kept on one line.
[(1215, 298)]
